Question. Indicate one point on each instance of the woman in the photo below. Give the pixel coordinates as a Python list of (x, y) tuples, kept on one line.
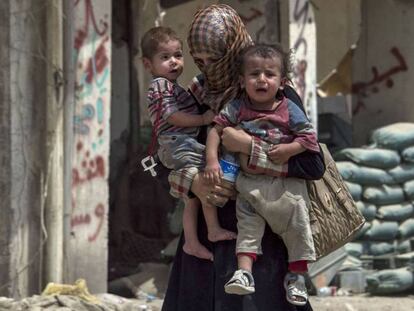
[(216, 37)]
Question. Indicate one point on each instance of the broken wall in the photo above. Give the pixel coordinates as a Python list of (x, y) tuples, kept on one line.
[(87, 245), (383, 65), (22, 123)]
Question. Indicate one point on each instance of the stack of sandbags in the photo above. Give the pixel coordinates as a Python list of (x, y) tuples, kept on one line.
[(380, 178)]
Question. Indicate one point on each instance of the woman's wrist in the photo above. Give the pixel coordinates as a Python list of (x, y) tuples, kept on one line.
[(236, 140)]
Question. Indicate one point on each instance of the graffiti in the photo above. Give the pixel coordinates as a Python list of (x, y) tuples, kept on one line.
[(303, 38), (100, 214), (94, 69), (88, 114), (299, 72), (79, 121), (97, 64), (303, 14), (254, 15), (300, 16), (82, 33), (80, 220), (94, 168), (364, 89), (85, 219), (91, 52)]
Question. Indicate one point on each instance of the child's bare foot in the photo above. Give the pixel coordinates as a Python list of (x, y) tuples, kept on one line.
[(197, 250), (220, 234)]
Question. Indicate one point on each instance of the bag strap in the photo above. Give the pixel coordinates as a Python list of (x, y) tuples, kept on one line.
[(151, 147), (148, 163)]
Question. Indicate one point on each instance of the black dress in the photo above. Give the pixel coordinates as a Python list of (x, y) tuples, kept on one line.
[(198, 285)]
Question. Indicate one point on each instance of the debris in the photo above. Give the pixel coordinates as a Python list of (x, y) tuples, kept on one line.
[(79, 290)]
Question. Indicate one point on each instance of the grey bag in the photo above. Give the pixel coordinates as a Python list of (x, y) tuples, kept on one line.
[(334, 216)]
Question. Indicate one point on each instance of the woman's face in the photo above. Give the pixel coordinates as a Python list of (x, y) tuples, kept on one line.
[(203, 59)]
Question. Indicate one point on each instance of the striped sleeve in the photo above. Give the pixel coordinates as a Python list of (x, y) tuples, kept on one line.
[(302, 128), (261, 163), (229, 115), (161, 91)]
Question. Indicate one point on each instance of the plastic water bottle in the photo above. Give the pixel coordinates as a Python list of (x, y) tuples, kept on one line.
[(230, 167), (327, 291)]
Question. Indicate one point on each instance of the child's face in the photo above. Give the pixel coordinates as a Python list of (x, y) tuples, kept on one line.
[(168, 62), (262, 78)]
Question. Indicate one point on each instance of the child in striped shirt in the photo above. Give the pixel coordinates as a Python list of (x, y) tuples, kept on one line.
[(176, 120)]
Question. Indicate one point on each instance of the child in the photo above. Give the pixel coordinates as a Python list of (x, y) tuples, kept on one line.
[(281, 202), (176, 121)]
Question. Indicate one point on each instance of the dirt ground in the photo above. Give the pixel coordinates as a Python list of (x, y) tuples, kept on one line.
[(362, 303), (344, 303), (337, 303), (153, 280)]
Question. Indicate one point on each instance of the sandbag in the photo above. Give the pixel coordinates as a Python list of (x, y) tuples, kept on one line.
[(409, 189), (397, 136), (383, 195), (406, 229), (402, 172), (361, 232), (396, 212), (363, 175), (404, 247), (390, 281), (376, 157), (380, 248), (355, 190), (369, 211), (408, 154), (382, 231), (354, 249)]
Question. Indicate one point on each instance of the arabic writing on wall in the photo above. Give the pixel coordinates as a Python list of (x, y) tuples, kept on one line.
[(365, 89), (303, 38), (91, 121)]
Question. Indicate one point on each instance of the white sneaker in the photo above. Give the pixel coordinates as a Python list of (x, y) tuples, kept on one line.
[(241, 283)]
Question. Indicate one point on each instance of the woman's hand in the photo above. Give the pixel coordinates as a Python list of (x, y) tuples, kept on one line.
[(235, 139), (210, 193)]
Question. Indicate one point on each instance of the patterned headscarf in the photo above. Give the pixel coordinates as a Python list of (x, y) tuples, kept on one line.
[(219, 31)]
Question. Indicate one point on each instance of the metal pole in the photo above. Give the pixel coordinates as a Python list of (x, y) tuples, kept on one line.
[(69, 106), (53, 259)]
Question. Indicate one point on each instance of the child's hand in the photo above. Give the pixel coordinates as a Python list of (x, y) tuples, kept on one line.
[(208, 117), (280, 153), (213, 172)]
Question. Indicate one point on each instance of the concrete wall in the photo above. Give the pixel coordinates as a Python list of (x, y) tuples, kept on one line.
[(26, 69), (302, 41), (338, 27), (383, 66), (87, 244), (5, 142)]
